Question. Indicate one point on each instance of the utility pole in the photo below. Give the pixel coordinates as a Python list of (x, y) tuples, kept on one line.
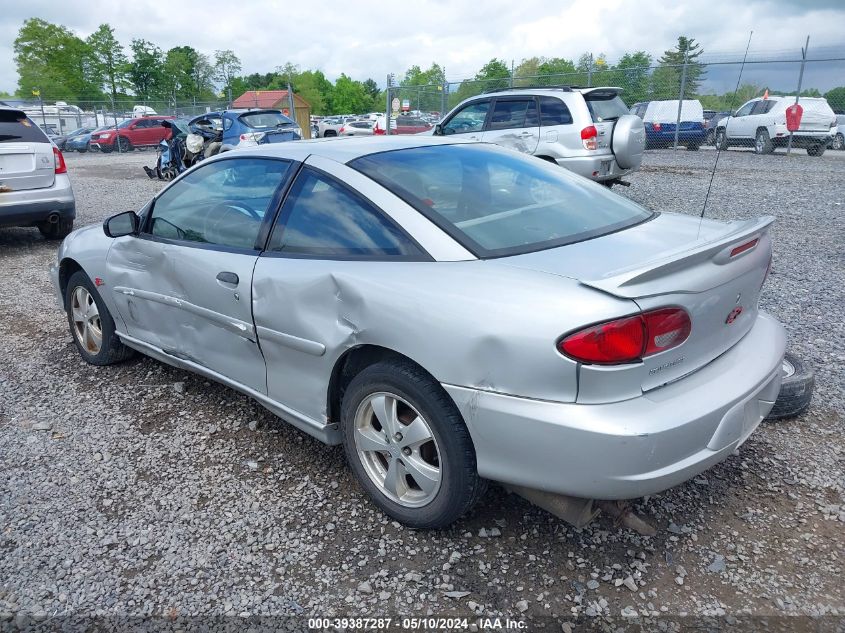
[(681, 96), (798, 94)]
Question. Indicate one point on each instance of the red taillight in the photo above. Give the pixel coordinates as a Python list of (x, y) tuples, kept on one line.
[(244, 137), (61, 166), (656, 127), (377, 129), (665, 329), (589, 137), (744, 247), (342, 129), (630, 339)]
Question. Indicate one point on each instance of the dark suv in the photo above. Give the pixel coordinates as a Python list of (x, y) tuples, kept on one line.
[(142, 132)]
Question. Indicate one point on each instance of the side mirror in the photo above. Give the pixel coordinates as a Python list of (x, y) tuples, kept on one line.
[(126, 223)]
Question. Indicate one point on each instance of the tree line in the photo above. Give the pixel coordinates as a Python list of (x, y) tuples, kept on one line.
[(55, 63)]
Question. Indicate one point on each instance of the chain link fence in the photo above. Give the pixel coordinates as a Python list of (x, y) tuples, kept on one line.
[(722, 86)]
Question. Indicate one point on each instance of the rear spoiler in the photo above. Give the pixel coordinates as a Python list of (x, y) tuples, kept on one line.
[(702, 267)]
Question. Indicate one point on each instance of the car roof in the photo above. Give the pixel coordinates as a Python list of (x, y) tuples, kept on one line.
[(345, 149)]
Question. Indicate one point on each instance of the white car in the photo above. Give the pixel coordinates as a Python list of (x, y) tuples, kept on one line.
[(839, 137), (761, 123), (357, 128)]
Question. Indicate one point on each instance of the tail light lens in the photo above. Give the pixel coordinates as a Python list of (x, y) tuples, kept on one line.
[(589, 136), (657, 127), (252, 136), (630, 339), (377, 129), (342, 129), (59, 159)]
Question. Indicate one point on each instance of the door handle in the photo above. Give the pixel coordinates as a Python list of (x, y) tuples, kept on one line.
[(228, 278)]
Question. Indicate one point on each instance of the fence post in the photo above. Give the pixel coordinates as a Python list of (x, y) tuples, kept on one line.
[(798, 93), (444, 97), (387, 107), (114, 115), (511, 74), (590, 72), (681, 99)]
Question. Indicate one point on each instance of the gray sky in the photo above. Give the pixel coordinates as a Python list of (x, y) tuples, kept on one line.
[(369, 39)]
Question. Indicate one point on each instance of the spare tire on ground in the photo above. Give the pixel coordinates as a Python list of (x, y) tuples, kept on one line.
[(796, 391), (628, 141)]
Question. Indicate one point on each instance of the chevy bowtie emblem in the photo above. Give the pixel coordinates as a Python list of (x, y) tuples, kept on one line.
[(733, 315)]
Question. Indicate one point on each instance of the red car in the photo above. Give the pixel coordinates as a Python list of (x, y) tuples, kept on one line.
[(140, 132), (403, 125)]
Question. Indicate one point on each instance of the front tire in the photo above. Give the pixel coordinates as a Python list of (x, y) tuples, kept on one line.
[(408, 445), (91, 325), (762, 143), (838, 142), (123, 144), (721, 139)]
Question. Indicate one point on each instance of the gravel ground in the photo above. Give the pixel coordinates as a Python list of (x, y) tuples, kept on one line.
[(139, 489)]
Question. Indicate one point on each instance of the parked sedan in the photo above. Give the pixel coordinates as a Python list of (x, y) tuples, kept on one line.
[(450, 312), (82, 142)]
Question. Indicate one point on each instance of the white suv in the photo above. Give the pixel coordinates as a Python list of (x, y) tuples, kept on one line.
[(761, 123), (589, 131)]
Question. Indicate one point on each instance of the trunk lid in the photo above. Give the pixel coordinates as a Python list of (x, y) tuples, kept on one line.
[(670, 261)]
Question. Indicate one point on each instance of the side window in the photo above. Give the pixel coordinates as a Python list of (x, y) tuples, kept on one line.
[(322, 218), (761, 107), (141, 124), (227, 123), (554, 112), (746, 109), (469, 119), (222, 203), (511, 113)]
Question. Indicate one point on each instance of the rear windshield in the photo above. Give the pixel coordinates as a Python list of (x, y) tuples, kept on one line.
[(496, 202), (604, 107), (16, 127), (265, 120)]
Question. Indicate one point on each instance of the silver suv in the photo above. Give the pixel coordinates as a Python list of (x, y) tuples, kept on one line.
[(589, 131), (34, 186)]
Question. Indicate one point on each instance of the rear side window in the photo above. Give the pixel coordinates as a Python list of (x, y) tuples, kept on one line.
[(763, 106), (604, 107), (513, 113), (322, 218), (554, 112), (16, 127), (264, 120)]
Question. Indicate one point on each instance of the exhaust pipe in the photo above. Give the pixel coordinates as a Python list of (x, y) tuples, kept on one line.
[(53, 218), (579, 512)]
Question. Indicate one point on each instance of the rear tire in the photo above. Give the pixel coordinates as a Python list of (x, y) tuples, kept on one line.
[(815, 150), (56, 231), (98, 344), (838, 142), (762, 143), (796, 391), (447, 454)]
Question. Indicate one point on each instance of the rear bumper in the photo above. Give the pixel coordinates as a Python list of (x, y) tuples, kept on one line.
[(599, 168), (29, 206), (628, 449), (803, 139)]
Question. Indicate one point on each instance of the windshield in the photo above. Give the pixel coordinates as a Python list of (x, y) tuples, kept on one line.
[(125, 123), (604, 107), (264, 120), (496, 202)]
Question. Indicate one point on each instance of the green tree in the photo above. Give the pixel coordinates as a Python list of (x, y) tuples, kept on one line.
[(108, 60), (667, 77), (556, 71), (495, 73), (836, 99), (146, 68), (632, 73), (226, 66), (313, 86), (349, 96), (51, 58)]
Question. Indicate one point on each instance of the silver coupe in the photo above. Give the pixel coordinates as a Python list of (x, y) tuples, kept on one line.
[(450, 312)]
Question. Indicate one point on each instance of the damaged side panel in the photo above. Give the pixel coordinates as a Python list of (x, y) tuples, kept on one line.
[(452, 318), (170, 297)]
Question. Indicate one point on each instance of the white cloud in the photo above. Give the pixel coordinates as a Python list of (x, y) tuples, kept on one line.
[(370, 39)]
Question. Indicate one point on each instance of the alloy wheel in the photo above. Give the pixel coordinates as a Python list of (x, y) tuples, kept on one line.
[(86, 320), (397, 449)]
